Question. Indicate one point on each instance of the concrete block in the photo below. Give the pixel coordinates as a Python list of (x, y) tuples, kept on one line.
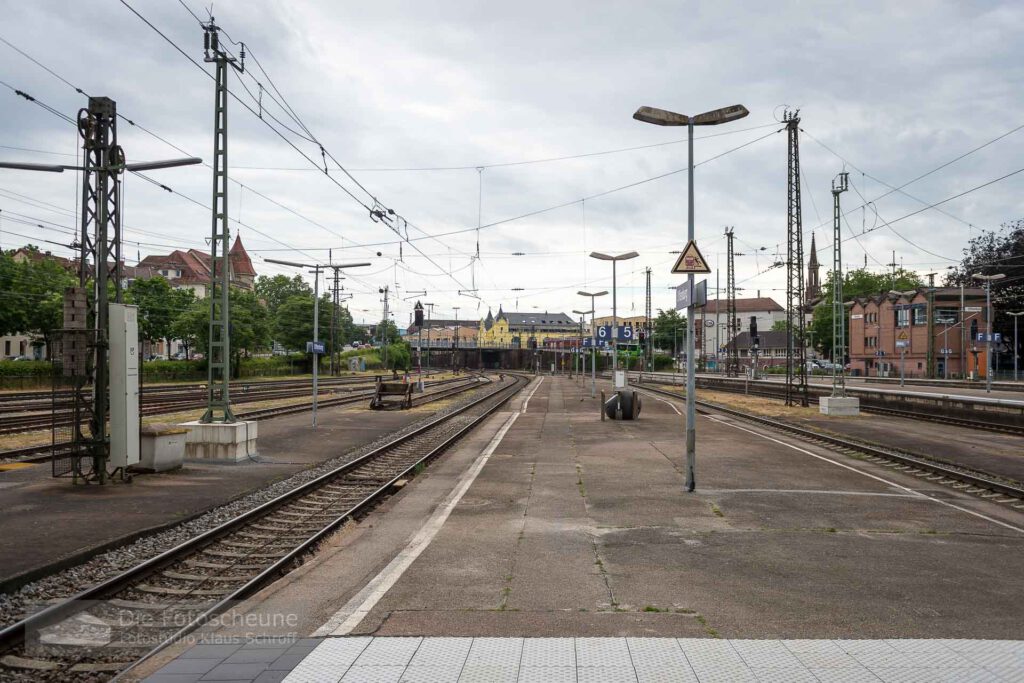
[(841, 406), (161, 447), (219, 441)]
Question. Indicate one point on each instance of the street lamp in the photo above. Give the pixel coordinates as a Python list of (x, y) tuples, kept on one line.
[(316, 314), (987, 279), (615, 320), (661, 117), (1016, 340), (593, 339)]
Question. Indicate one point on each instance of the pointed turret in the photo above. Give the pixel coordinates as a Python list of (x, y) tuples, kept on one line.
[(489, 320)]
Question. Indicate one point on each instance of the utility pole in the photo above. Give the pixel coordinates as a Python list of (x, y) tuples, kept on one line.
[(218, 357), (648, 342), (335, 290), (732, 363), (840, 184), (456, 337), (384, 336), (796, 357), (87, 343), (930, 364)]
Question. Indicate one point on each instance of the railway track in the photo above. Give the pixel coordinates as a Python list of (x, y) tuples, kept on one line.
[(980, 483), (111, 626), (767, 391), (44, 452), (43, 415)]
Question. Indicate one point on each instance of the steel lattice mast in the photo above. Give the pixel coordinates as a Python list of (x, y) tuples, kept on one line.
[(796, 357), (839, 185), (100, 256), (732, 362), (218, 358)]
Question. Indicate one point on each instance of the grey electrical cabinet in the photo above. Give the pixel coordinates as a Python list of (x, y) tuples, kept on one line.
[(124, 385)]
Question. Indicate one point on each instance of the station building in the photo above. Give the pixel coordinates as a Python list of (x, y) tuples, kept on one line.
[(515, 330), (933, 327)]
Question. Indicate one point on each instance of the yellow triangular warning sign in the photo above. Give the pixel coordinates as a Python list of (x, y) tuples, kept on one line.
[(691, 261)]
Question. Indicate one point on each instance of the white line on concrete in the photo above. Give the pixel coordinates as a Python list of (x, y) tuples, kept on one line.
[(533, 391), (670, 404), (868, 474), (345, 620)]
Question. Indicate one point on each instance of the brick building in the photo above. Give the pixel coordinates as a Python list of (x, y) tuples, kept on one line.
[(190, 269), (928, 322)]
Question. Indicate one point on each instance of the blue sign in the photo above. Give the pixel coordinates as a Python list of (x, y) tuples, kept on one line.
[(587, 342), (997, 337), (879, 353), (605, 333), (314, 347)]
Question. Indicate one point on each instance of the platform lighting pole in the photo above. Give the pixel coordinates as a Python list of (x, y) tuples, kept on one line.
[(661, 117), (316, 268), (615, 313), (1016, 340), (593, 338), (987, 279)]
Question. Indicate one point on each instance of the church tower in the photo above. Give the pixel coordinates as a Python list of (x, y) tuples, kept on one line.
[(813, 290)]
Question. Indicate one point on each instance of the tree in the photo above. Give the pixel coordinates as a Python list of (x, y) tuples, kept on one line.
[(989, 254), (293, 324), (192, 325), (250, 324), (669, 331), (159, 306), (779, 326), (275, 290), (856, 283), (387, 331), (35, 289)]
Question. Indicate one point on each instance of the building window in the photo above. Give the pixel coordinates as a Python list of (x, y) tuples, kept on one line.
[(920, 315), (947, 316), (902, 317), (7, 347)]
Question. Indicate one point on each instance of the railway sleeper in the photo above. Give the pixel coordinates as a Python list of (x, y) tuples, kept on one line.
[(171, 590)]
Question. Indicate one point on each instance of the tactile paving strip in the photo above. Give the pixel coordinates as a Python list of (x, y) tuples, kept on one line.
[(579, 660)]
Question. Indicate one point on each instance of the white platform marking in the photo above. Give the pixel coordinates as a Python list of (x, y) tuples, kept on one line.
[(917, 494), (345, 620)]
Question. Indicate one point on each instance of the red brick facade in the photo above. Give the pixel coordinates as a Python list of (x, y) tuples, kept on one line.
[(877, 323)]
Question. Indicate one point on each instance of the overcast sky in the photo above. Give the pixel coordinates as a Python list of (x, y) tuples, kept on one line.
[(896, 89)]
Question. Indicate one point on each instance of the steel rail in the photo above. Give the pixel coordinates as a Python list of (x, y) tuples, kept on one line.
[(14, 634), (257, 414), (777, 391), (976, 479)]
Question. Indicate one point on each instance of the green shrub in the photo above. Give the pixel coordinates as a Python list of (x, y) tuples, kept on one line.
[(25, 368)]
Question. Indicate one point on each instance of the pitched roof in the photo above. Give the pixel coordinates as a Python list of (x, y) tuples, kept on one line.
[(538, 319), (752, 305), (240, 261)]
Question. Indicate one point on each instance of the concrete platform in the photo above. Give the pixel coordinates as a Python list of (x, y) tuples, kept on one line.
[(64, 521), (547, 522)]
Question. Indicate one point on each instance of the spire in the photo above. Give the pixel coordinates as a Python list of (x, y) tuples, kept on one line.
[(813, 290), (489, 320)]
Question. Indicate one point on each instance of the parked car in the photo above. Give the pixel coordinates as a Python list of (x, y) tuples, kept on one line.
[(20, 358)]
